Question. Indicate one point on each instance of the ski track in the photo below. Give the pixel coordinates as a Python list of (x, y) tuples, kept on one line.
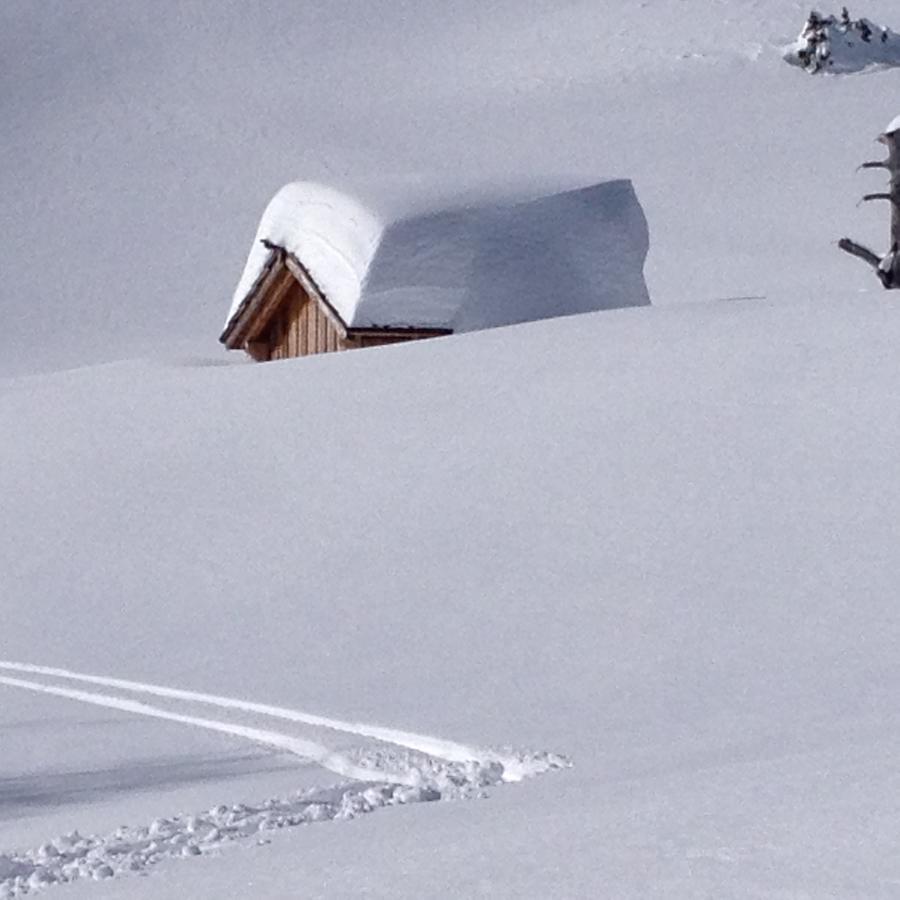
[(432, 746), (406, 768), (307, 750)]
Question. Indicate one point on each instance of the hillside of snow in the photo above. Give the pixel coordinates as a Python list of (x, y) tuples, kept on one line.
[(140, 149), (597, 606), (667, 554)]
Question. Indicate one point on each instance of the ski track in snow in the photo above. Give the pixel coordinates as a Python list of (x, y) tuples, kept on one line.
[(406, 768), (432, 746), (307, 750)]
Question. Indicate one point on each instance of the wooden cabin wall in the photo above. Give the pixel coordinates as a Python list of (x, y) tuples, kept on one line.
[(301, 328)]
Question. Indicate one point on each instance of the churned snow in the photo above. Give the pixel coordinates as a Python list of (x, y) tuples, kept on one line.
[(389, 774), (478, 259), (133, 849)]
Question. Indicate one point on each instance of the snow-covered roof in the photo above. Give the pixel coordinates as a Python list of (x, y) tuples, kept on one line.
[(894, 126), (414, 258)]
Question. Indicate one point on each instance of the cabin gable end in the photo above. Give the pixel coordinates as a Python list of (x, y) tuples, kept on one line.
[(285, 315)]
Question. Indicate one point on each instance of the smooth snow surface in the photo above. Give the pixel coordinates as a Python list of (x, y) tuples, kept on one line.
[(667, 553)]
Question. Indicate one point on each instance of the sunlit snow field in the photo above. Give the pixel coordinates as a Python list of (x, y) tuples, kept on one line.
[(643, 560)]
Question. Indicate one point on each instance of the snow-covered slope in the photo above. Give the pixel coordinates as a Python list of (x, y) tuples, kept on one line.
[(139, 149), (657, 542)]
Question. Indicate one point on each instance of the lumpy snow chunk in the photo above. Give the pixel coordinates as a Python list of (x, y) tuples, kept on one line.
[(841, 45), (468, 261)]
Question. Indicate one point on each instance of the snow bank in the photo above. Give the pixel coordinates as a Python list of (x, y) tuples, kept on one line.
[(840, 45), (659, 541), (493, 259)]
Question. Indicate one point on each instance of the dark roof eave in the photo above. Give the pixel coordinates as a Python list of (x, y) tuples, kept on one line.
[(240, 314), (399, 331)]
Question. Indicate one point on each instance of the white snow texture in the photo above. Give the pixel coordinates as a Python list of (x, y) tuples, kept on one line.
[(659, 540), (393, 772)]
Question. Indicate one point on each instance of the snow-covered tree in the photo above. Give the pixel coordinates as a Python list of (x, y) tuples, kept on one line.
[(840, 44)]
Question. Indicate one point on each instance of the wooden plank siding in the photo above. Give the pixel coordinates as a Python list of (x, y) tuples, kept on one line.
[(305, 314), (300, 328), (286, 315), (295, 308), (321, 331), (290, 318)]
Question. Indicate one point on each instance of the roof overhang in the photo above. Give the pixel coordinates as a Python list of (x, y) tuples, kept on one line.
[(280, 271)]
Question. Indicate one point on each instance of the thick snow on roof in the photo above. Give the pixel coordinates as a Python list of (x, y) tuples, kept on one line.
[(476, 261), (894, 126)]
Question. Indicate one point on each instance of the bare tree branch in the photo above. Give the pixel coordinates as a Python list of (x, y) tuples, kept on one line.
[(887, 267), (859, 251), (885, 274), (880, 196)]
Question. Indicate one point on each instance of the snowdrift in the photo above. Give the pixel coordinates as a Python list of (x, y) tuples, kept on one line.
[(668, 552), (462, 262)]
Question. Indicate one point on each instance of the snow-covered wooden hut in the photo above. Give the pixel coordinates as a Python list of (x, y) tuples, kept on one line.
[(329, 271)]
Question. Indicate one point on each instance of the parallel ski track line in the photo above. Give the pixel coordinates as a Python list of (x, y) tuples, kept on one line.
[(436, 747), (307, 750)]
